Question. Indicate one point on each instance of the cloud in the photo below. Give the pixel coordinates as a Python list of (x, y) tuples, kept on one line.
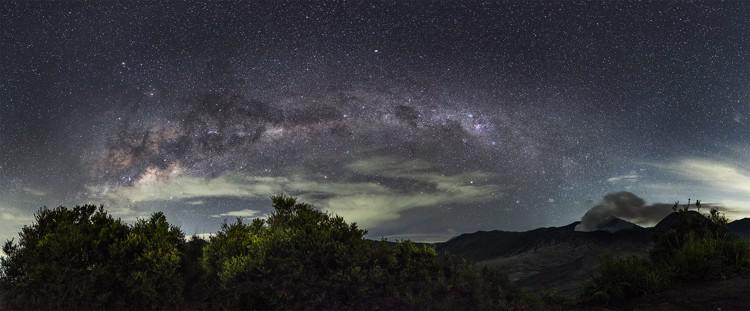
[(624, 205), (726, 184), (12, 220), (189, 187), (13, 216), (717, 174), (406, 184), (632, 177), (34, 192), (244, 213), (374, 207)]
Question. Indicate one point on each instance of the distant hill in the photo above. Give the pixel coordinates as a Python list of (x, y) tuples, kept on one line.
[(484, 245), (560, 257), (554, 257)]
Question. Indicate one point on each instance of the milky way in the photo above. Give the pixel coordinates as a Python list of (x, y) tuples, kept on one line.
[(417, 120)]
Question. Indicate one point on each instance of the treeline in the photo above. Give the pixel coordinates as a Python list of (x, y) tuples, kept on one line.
[(299, 258)]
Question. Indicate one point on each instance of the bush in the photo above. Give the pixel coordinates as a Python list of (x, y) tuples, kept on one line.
[(699, 248), (297, 259), (707, 258), (689, 225), (541, 300), (82, 258), (695, 248), (301, 258), (623, 278), (151, 256)]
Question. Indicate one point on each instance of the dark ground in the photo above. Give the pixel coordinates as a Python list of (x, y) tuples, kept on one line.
[(724, 295)]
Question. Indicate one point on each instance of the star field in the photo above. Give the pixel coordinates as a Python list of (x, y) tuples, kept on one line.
[(414, 119)]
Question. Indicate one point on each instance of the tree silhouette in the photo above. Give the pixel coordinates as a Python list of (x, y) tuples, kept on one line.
[(299, 258), (82, 258), (302, 258)]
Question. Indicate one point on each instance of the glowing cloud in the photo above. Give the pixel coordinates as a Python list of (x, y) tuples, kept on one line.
[(244, 213), (368, 203), (726, 184)]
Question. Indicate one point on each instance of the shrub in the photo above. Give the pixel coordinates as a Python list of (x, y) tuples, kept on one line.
[(301, 258), (695, 248), (541, 300), (706, 258), (298, 259), (700, 247), (687, 225), (151, 256), (623, 278), (82, 258)]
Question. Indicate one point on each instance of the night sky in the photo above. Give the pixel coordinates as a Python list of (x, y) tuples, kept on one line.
[(415, 119)]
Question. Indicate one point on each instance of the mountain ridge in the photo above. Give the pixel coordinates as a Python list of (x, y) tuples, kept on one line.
[(562, 258)]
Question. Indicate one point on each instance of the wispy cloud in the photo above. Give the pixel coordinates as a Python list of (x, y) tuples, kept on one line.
[(34, 192), (11, 221), (244, 213), (14, 216), (447, 189), (189, 187), (632, 177), (719, 182), (368, 203), (724, 176)]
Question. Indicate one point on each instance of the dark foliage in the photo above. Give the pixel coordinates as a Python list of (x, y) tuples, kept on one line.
[(699, 247), (303, 259), (689, 247), (297, 259), (623, 278), (82, 258)]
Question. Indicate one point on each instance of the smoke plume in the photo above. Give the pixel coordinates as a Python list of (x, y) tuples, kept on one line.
[(624, 205)]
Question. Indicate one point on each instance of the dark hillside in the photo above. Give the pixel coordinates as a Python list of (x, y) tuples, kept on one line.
[(557, 258), (562, 258), (483, 245), (692, 218)]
